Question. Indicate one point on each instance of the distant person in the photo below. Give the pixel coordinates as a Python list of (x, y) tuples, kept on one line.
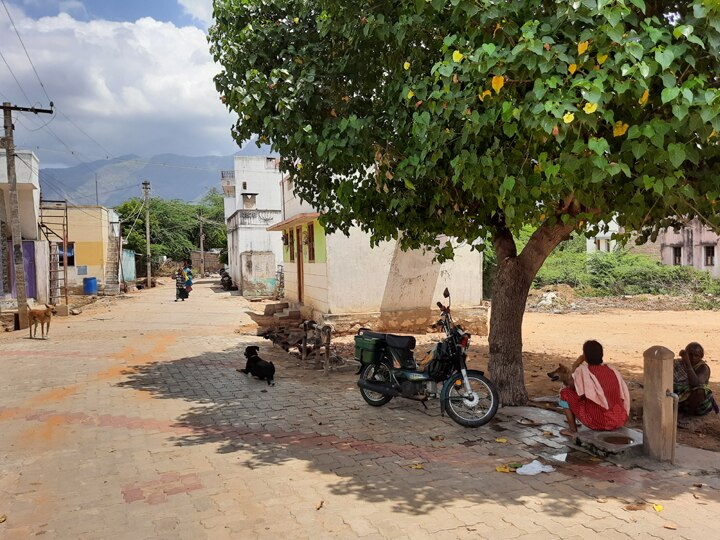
[(188, 277), (691, 378), (597, 395), (180, 292)]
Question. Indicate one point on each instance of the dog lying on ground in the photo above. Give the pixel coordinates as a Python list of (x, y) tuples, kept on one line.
[(41, 316), (257, 367), (564, 373)]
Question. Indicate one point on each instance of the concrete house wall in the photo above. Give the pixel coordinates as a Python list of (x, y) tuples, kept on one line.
[(252, 203), (351, 284), (694, 245), (89, 230)]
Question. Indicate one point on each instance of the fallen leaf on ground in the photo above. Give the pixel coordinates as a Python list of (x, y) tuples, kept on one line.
[(635, 507), (658, 507), (3, 518), (602, 500), (502, 468), (696, 496), (437, 438), (698, 485), (501, 440), (416, 466), (670, 526), (548, 434), (319, 506), (515, 465)]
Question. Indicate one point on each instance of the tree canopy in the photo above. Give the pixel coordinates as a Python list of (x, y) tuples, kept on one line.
[(174, 225), (469, 119), (481, 112)]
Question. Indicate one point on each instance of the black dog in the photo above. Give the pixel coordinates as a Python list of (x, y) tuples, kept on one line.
[(257, 367)]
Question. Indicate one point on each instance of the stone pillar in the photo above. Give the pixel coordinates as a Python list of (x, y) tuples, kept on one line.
[(658, 422)]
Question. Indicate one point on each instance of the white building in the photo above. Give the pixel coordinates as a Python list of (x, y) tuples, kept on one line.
[(344, 281), (252, 203), (603, 241), (34, 246)]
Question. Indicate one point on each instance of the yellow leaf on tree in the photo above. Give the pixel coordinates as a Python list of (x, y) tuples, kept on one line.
[(296, 20), (406, 65), (644, 98), (582, 47), (485, 94), (601, 58), (410, 94), (458, 56), (590, 108), (568, 117), (620, 128), (497, 83), (572, 68)]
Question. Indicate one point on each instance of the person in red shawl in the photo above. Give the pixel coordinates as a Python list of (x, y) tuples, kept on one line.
[(597, 396)]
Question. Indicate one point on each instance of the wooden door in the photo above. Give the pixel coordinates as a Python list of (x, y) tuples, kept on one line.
[(299, 262)]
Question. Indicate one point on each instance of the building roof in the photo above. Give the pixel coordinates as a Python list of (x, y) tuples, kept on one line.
[(297, 219)]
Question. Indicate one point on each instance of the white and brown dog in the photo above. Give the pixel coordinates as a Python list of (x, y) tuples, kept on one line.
[(41, 316)]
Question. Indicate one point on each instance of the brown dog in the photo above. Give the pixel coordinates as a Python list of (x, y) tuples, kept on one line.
[(41, 316), (564, 373)]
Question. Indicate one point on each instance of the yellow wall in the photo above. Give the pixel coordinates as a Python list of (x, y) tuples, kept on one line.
[(88, 228)]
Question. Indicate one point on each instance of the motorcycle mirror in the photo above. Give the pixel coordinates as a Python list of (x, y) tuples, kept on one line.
[(446, 293)]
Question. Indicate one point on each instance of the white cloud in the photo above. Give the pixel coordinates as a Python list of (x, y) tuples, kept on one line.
[(198, 9), (142, 87)]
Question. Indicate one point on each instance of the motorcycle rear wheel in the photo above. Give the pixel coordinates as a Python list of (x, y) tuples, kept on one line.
[(375, 372), (471, 410)]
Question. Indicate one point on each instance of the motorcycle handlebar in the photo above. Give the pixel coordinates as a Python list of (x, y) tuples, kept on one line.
[(442, 308)]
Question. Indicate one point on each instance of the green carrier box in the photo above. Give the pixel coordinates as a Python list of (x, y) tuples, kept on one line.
[(368, 350)]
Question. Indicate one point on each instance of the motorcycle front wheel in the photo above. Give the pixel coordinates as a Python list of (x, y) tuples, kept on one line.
[(379, 373), (476, 408)]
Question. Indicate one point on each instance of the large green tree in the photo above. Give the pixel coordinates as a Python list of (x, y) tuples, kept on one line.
[(174, 225), (467, 119)]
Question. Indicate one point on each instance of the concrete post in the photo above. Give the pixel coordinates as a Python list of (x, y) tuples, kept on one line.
[(658, 419)]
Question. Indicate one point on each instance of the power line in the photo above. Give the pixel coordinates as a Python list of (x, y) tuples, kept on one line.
[(26, 52), (14, 77)]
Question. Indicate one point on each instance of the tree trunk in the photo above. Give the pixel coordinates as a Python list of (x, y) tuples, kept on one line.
[(513, 278)]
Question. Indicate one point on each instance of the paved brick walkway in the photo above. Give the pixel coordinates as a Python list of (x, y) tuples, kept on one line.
[(131, 422)]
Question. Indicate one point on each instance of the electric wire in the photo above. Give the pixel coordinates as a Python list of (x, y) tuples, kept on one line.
[(26, 51), (14, 77)]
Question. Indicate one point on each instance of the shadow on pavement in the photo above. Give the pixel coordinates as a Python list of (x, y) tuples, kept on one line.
[(401, 452)]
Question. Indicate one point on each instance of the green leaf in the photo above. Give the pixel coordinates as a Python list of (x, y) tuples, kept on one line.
[(668, 94), (664, 57), (639, 3), (598, 145), (489, 48), (510, 129), (639, 149), (676, 153), (708, 113), (507, 184), (409, 185), (635, 49)]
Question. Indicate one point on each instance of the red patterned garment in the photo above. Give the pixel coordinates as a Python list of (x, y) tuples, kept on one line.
[(590, 413)]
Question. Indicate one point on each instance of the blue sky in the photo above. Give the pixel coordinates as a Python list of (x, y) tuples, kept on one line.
[(113, 10), (126, 76)]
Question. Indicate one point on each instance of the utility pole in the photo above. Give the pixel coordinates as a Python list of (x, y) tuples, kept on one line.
[(97, 199), (18, 262), (146, 190), (202, 247)]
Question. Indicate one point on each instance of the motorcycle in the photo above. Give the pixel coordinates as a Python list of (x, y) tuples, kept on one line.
[(388, 369)]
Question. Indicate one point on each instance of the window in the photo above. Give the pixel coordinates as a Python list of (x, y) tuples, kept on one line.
[(291, 245), (677, 256), (244, 186), (311, 242), (70, 254), (709, 255)]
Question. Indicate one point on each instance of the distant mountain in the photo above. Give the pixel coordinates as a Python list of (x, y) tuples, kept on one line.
[(171, 177)]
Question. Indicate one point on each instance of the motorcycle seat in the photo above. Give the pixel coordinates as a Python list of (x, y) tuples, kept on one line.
[(400, 342)]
